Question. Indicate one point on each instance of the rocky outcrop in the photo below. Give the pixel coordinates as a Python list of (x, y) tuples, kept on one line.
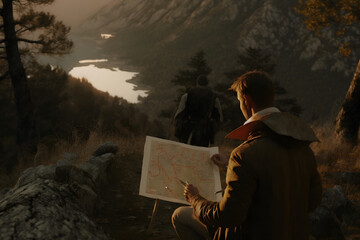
[(106, 147), (56, 201), (336, 217)]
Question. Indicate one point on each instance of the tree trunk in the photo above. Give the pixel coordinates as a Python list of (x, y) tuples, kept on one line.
[(26, 133), (348, 120)]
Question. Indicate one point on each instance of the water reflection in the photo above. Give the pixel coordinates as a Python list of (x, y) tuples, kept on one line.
[(106, 36), (112, 81), (93, 61)]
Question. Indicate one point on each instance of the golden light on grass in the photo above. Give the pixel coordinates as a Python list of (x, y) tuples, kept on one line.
[(333, 152)]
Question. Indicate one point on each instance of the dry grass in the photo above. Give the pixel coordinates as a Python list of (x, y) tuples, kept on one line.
[(352, 192), (50, 153), (332, 153), (84, 149), (334, 156)]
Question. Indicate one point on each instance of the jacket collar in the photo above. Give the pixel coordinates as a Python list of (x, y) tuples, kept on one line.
[(263, 112), (284, 124)]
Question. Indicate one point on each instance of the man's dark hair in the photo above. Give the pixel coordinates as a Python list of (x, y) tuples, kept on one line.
[(202, 80), (258, 86)]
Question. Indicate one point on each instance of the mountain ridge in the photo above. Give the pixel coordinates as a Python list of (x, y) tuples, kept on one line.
[(160, 36)]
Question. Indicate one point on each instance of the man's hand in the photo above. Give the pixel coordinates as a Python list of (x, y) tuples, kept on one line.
[(220, 159), (190, 191)]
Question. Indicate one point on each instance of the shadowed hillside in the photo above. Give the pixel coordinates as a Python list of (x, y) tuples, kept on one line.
[(158, 37), (68, 110)]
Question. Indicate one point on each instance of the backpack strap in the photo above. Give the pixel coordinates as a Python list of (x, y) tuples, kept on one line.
[(211, 105)]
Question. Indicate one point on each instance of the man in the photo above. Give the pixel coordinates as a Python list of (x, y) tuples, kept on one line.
[(272, 178), (198, 114)]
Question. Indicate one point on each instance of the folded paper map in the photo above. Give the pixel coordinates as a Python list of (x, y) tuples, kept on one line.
[(167, 165)]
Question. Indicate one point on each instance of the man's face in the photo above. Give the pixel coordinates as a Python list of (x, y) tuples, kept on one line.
[(246, 111)]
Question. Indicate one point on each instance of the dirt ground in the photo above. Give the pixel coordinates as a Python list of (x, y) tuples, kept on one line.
[(125, 214)]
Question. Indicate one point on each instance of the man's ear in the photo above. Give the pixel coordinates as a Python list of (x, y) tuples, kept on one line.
[(248, 101)]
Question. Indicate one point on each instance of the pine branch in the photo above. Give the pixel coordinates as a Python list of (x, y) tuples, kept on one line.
[(2, 77), (21, 30), (29, 41)]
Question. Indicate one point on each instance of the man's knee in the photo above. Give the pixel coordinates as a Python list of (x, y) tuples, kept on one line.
[(180, 214)]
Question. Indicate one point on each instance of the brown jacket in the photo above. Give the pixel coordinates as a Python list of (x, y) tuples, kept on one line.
[(272, 184)]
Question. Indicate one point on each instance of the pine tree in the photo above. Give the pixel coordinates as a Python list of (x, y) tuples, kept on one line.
[(255, 59), (19, 24), (196, 66)]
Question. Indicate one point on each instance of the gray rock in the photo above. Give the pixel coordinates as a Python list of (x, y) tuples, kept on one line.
[(324, 224), (107, 147), (68, 159), (86, 197), (55, 202), (45, 210), (70, 174), (97, 167), (335, 200), (31, 174), (336, 217)]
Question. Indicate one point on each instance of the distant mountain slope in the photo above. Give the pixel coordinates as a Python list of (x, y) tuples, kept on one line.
[(160, 36)]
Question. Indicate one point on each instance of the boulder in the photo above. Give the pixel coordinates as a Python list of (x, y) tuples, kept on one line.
[(335, 200), (68, 158), (56, 201), (33, 173), (336, 217), (324, 224), (45, 209), (106, 147)]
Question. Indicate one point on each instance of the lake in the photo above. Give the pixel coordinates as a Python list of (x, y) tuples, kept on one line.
[(113, 81)]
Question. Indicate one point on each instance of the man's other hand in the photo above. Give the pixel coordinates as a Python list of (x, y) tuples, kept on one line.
[(220, 159), (190, 191)]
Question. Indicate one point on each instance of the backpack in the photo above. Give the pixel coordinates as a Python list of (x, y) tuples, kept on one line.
[(202, 129)]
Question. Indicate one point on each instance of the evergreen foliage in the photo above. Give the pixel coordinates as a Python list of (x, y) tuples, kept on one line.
[(341, 15), (252, 59), (256, 59), (196, 66), (36, 32), (20, 27), (69, 109)]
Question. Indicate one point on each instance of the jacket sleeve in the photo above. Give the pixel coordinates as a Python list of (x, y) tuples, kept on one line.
[(315, 192), (232, 209), (182, 105), (217, 106)]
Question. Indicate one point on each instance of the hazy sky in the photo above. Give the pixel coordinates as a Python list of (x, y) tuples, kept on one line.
[(73, 12)]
